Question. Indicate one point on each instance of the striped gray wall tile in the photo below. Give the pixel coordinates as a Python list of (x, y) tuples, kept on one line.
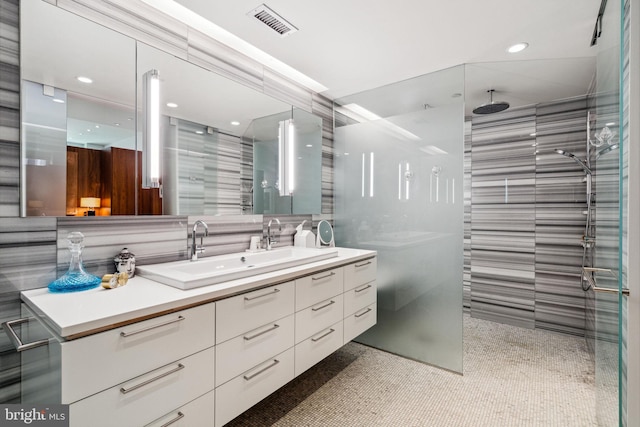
[(9, 108), (27, 261), (227, 234), (323, 107), (625, 212), (246, 176), (560, 219), (151, 239), (503, 217)]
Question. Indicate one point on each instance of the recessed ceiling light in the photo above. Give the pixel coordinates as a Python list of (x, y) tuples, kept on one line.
[(235, 123), (129, 118), (84, 79), (518, 47), (88, 130), (199, 132), (532, 134), (117, 124), (309, 145), (346, 154), (172, 105), (97, 126), (610, 124), (58, 100)]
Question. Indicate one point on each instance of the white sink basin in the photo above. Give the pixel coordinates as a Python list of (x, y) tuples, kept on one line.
[(221, 268)]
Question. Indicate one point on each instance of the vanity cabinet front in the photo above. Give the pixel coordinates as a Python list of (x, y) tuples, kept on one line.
[(205, 365)]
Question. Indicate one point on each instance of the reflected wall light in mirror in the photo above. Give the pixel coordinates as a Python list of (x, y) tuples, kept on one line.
[(286, 153), (151, 129)]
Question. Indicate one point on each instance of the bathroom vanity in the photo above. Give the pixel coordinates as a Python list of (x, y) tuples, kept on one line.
[(152, 354)]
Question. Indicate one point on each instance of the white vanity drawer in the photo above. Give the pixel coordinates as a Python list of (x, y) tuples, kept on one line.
[(197, 413), (242, 313), (359, 297), (147, 397), (318, 287), (97, 362), (359, 273), (317, 347), (247, 350), (244, 391), (358, 322), (318, 317)]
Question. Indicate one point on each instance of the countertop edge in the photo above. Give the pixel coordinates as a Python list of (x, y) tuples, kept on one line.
[(38, 300)]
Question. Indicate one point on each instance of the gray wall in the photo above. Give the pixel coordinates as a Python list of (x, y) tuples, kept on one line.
[(525, 220)]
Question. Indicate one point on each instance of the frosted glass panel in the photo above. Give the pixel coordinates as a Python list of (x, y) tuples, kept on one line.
[(399, 171)]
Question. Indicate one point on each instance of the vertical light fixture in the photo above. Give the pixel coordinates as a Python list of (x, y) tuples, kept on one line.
[(286, 156), (371, 174), (151, 130), (363, 173)]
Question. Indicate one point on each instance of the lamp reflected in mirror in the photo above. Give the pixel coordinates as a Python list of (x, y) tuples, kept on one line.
[(91, 203)]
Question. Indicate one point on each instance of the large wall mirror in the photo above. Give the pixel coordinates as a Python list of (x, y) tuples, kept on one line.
[(82, 142)]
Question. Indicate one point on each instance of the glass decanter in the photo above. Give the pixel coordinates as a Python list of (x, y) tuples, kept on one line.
[(76, 278)]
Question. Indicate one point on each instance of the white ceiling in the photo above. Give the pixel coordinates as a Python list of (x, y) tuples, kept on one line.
[(356, 45)]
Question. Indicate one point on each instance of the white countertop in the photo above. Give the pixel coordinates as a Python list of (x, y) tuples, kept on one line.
[(72, 315)]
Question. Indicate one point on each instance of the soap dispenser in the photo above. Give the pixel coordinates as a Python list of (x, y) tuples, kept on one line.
[(304, 238)]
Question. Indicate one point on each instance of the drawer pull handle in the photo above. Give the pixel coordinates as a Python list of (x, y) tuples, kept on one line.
[(15, 339), (249, 377), (148, 328), (174, 420), (363, 313), (150, 380), (363, 264), (256, 335), (323, 306), (274, 291), (363, 289), (324, 277), (329, 332)]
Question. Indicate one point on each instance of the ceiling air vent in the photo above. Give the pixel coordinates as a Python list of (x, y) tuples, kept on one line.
[(274, 21)]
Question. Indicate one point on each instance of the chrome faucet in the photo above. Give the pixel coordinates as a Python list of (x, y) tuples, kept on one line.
[(195, 248), (271, 240)]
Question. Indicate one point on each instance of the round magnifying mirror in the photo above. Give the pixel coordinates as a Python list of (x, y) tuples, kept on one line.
[(325, 235)]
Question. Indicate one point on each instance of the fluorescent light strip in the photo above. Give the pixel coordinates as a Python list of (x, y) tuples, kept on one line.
[(362, 180), (371, 175), (399, 181), (154, 128), (407, 184), (291, 150), (207, 27)]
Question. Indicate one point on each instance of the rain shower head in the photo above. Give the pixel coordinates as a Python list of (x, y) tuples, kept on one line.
[(492, 106), (575, 158)]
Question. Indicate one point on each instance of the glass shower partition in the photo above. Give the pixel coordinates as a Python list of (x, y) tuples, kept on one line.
[(399, 190)]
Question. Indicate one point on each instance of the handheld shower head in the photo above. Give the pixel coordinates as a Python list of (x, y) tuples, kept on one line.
[(572, 156)]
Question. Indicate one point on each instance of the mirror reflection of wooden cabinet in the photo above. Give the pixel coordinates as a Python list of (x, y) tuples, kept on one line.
[(109, 175)]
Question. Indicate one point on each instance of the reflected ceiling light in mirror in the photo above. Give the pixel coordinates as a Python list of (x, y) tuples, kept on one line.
[(172, 105), (58, 100), (199, 132), (610, 124), (151, 130), (518, 47), (286, 156), (235, 123), (84, 79)]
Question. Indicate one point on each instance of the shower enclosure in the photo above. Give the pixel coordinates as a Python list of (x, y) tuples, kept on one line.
[(399, 190)]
